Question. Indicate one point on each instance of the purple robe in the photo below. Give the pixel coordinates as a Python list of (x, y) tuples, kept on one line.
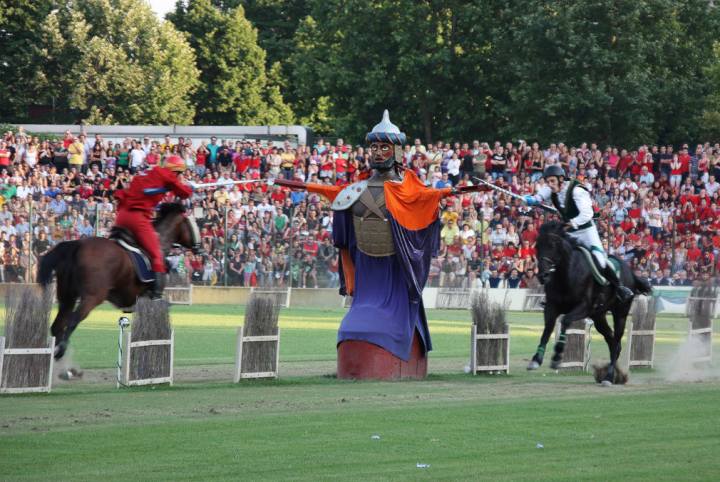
[(387, 304)]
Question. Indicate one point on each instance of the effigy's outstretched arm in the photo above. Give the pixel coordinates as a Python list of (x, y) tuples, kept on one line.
[(291, 184)]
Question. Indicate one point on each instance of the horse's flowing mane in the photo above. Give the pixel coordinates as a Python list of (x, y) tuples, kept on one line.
[(551, 227), (168, 209), (556, 228)]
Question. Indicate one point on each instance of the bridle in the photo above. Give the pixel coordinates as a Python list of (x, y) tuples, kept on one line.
[(545, 274), (196, 247), (195, 232)]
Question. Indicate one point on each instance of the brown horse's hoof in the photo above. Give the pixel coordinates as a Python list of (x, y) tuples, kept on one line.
[(70, 374)]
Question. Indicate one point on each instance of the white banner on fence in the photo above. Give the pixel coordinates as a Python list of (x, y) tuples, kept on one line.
[(671, 299)]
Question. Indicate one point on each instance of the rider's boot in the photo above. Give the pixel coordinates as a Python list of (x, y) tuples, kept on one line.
[(156, 291), (623, 293)]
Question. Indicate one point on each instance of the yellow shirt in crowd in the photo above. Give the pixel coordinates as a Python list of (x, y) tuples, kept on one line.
[(77, 153)]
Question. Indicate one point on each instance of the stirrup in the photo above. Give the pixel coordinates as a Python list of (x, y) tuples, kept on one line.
[(156, 290)]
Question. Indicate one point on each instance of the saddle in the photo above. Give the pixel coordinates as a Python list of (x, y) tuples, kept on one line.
[(125, 239), (596, 269)]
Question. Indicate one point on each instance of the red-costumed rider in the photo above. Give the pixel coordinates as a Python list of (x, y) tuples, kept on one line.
[(137, 203)]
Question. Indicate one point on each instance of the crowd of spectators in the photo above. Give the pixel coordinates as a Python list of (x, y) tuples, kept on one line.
[(657, 206)]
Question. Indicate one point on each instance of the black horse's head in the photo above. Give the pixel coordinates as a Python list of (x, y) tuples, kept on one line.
[(175, 228), (553, 249)]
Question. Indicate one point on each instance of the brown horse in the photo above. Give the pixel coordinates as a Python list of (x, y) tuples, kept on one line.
[(92, 270)]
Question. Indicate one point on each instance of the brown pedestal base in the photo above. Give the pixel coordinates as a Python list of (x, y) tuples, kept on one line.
[(361, 360)]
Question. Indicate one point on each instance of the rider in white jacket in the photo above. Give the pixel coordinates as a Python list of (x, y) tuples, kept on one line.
[(574, 204)]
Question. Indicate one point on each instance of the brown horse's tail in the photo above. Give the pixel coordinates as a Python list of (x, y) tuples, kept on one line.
[(60, 260)]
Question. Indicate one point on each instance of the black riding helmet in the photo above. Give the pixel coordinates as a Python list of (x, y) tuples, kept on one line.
[(553, 170)]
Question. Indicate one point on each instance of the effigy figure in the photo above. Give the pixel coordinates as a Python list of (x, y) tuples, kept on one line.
[(387, 230)]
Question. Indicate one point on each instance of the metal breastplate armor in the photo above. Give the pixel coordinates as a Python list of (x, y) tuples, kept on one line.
[(372, 227)]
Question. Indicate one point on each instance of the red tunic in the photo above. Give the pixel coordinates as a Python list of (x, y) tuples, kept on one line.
[(147, 189), (137, 203)]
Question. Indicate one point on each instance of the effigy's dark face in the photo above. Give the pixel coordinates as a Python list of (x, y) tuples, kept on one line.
[(382, 155)]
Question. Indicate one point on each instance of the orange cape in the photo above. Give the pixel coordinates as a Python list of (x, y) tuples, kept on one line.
[(412, 204)]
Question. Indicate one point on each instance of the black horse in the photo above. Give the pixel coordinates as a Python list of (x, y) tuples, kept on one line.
[(571, 290)]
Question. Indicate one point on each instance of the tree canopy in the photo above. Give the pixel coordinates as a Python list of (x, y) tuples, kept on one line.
[(235, 87), (19, 37), (616, 72), (102, 67)]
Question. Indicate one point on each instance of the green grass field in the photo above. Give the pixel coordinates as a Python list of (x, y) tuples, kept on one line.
[(310, 426)]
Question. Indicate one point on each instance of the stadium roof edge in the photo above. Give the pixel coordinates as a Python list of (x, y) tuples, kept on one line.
[(302, 133)]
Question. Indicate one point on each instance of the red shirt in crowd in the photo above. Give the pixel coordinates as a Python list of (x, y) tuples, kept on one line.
[(529, 236), (4, 157), (694, 253), (324, 233), (85, 191), (200, 158), (685, 163), (152, 159), (525, 252), (311, 247), (693, 198), (242, 163), (279, 195), (641, 156), (624, 163), (454, 249), (340, 165), (716, 241), (627, 224), (706, 213)]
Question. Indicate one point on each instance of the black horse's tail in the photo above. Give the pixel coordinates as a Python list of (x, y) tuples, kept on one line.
[(641, 285), (60, 260)]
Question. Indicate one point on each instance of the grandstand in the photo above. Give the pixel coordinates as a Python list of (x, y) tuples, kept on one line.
[(657, 206)]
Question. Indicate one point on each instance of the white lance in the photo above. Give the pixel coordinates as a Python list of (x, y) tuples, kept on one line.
[(228, 183), (512, 194)]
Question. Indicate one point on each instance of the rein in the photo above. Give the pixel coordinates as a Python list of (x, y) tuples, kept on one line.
[(165, 225), (195, 232), (552, 267), (551, 263)]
